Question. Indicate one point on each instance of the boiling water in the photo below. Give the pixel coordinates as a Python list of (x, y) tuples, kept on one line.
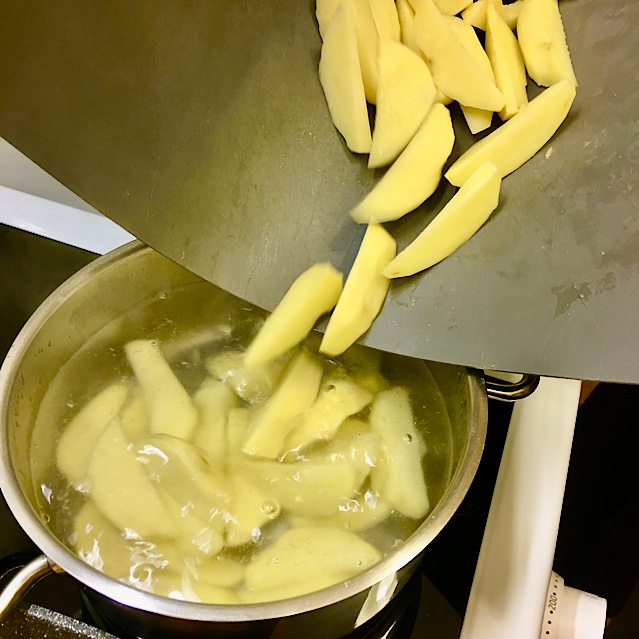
[(188, 341)]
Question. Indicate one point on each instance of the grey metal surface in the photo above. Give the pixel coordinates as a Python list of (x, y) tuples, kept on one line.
[(201, 128)]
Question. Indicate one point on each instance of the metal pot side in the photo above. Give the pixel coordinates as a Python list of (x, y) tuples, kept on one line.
[(99, 298)]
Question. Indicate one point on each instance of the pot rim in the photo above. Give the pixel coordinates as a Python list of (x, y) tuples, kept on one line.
[(132, 597)]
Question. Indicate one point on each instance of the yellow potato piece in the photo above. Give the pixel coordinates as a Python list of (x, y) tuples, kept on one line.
[(475, 13), (273, 420), (543, 42), (416, 173), (356, 515), (337, 400), (404, 96), (367, 47), (386, 19), (214, 400), (220, 571), (170, 408), (363, 365), (311, 583), (456, 223), (398, 476), (451, 7), (312, 294), (454, 70), (134, 417), (303, 554), (79, 437), (249, 510), (507, 62), (364, 292), (406, 17), (305, 488), (518, 139), (340, 74), (252, 385), (184, 587), (100, 544), (477, 119), (324, 11), (236, 428), (182, 471), (122, 490)]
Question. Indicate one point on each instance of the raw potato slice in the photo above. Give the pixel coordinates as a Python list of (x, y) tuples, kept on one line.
[(182, 586), (337, 400), (543, 43), (220, 571), (311, 583), (134, 418), (100, 544), (254, 385), (507, 62), (456, 223), (477, 119), (386, 20), (237, 427), (416, 173), (182, 472), (363, 365), (364, 292), (249, 510), (475, 14), (324, 11), (121, 489), (78, 439), (355, 516), (312, 294), (452, 7), (271, 423), (341, 76), (454, 70), (193, 533), (302, 553), (518, 139), (214, 400), (367, 47), (305, 488), (405, 94), (171, 410), (406, 17), (398, 476)]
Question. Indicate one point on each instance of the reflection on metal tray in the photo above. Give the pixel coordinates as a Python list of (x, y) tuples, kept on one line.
[(203, 130)]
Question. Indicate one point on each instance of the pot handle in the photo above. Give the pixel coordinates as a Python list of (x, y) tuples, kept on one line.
[(511, 391), (23, 580)]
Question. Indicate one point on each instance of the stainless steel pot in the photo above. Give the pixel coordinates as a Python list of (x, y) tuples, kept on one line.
[(117, 298)]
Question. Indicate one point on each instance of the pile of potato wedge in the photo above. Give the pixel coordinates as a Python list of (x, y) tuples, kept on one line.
[(412, 58), (257, 486)]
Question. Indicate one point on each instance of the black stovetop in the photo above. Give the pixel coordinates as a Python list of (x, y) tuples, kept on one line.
[(597, 549)]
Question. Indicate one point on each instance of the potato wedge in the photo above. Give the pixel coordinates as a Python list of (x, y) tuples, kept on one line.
[(456, 223), (405, 94), (236, 428), (122, 490), (340, 74), (398, 476), (324, 11), (455, 72), (451, 7), (507, 62), (170, 408), (305, 488), (272, 421), (543, 42), (337, 400), (312, 294), (78, 439), (363, 365), (214, 400), (416, 173), (311, 583), (406, 17), (301, 555), (386, 19), (477, 119), (518, 139), (364, 292), (134, 417), (367, 47), (475, 13), (219, 571)]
